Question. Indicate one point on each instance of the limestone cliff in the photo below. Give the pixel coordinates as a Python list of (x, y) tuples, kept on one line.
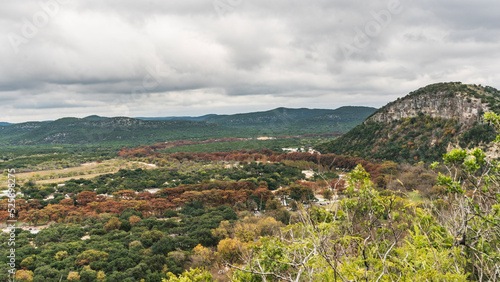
[(457, 106), (423, 125), (444, 100)]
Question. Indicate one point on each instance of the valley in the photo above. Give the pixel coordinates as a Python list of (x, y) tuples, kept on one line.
[(349, 194)]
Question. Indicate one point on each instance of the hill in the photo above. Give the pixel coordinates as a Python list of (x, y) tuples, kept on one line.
[(124, 130), (118, 130), (423, 125), (296, 121), (288, 121), (200, 118)]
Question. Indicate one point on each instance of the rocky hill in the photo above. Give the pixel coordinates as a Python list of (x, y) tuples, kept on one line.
[(423, 125)]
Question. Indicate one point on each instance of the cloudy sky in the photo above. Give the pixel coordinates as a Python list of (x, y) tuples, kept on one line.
[(193, 57)]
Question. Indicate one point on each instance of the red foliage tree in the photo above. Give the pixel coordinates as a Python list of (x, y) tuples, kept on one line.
[(86, 197)]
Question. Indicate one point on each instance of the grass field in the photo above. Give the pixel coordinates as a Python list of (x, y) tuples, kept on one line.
[(86, 171)]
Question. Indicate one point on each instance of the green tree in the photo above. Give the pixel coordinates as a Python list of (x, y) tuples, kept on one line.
[(366, 236), (192, 275), (87, 274), (301, 193), (473, 217), (163, 246), (89, 256), (113, 224)]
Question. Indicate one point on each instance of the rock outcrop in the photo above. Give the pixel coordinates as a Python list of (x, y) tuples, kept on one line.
[(423, 125), (466, 110)]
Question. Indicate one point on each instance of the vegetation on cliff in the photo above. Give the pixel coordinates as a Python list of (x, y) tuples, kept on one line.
[(422, 125)]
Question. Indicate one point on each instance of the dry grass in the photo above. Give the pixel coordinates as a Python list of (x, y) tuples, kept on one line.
[(86, 171), (64, 179)]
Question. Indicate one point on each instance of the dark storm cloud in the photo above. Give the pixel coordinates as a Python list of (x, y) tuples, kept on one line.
[(137, 58)]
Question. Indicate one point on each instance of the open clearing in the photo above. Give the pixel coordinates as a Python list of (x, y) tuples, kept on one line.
[(86, 171)]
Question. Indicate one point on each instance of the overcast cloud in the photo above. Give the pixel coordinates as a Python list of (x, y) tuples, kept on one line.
[(194, 57)]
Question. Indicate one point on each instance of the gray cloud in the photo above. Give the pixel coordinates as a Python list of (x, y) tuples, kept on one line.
[(141, 58)]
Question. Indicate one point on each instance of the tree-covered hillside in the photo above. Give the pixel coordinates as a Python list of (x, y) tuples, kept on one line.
[(423, 125), (122, 130), (130, 131), (297, 121)]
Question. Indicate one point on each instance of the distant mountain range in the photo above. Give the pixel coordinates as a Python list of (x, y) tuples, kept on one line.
[(423, 125), (200, 118), (339, 120), (124, 130)]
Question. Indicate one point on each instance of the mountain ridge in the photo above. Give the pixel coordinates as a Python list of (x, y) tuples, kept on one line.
[(96, 129)]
